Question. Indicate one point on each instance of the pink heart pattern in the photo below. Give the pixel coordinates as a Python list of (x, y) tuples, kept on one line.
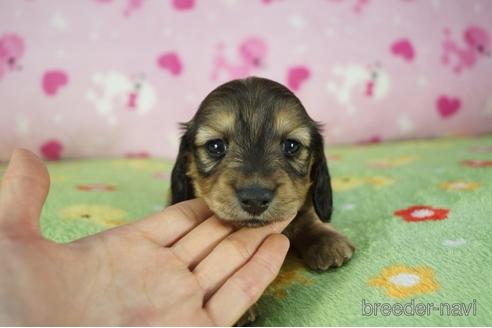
[(53, 80), (147, 69), (52, 150), (170, 61), (297, 76), (404, 49), (448, 106), (183, 4)]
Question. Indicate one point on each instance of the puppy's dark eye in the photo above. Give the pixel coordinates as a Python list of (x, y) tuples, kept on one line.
[(216, 148), (290, 147)]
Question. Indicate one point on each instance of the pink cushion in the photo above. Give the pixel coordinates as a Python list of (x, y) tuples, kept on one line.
[(102, 78)]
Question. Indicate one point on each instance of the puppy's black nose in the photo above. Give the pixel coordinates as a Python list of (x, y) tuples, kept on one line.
[(255, 200)]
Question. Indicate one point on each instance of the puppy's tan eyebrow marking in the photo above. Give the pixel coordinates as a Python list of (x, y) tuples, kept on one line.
[(215, 127), (302, 134), (205, 134), (284, 120), (291, 126)]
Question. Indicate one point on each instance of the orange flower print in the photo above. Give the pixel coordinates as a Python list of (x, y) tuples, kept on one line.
[(333, 157), (477, 163), (96, 187), (392, 161), (292, 273), (422, 213), (401, 281)]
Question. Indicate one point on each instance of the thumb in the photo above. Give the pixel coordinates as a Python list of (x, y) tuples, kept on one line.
[(23, 192)]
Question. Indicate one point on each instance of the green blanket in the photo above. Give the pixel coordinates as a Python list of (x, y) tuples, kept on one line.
[(418, 212)]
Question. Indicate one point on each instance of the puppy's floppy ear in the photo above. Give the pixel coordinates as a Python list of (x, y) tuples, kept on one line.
[(321, 184), (181, 186)]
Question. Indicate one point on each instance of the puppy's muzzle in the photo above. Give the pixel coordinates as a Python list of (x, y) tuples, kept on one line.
[(255, 200)]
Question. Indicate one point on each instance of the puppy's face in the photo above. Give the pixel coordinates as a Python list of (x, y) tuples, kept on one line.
[(249, 152)]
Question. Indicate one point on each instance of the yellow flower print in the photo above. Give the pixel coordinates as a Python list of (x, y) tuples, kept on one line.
[(100, 214), (293, 272), (345, 183), (423, 144), (58, 178), (380, 181), (348, 183), (392, 161), (402, 281), (141, 164), (459, 185)]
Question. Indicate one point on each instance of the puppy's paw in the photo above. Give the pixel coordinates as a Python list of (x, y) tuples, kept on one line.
[(326, 249), (249, 317)]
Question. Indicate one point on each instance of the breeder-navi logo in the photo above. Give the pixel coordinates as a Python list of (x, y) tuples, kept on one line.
[(419, 309)]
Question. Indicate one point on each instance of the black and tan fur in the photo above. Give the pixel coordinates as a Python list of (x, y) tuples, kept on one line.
[(254, 117)]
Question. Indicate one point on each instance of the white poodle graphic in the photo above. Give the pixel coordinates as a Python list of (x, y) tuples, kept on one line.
[(352, 80), (114, 91)]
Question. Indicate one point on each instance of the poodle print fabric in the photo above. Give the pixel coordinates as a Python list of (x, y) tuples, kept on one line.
[(115, 77)]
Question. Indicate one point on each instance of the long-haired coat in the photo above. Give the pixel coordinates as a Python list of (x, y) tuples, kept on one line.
[(255, 156)]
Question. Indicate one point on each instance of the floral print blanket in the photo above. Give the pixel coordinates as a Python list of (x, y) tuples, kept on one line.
[(418, 212)]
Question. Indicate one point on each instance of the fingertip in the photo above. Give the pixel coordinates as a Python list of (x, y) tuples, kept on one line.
[(24, 163), (282, 239), (21, 150), (279, 242), (22, 153)]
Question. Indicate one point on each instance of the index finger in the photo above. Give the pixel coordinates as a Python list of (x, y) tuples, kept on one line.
[(166, 227), (231, 253), (246, 286)]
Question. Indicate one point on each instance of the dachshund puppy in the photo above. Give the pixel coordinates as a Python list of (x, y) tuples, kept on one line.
[(255, 156)]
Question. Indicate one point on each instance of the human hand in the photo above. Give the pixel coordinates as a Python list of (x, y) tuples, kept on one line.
[(181, 266)]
